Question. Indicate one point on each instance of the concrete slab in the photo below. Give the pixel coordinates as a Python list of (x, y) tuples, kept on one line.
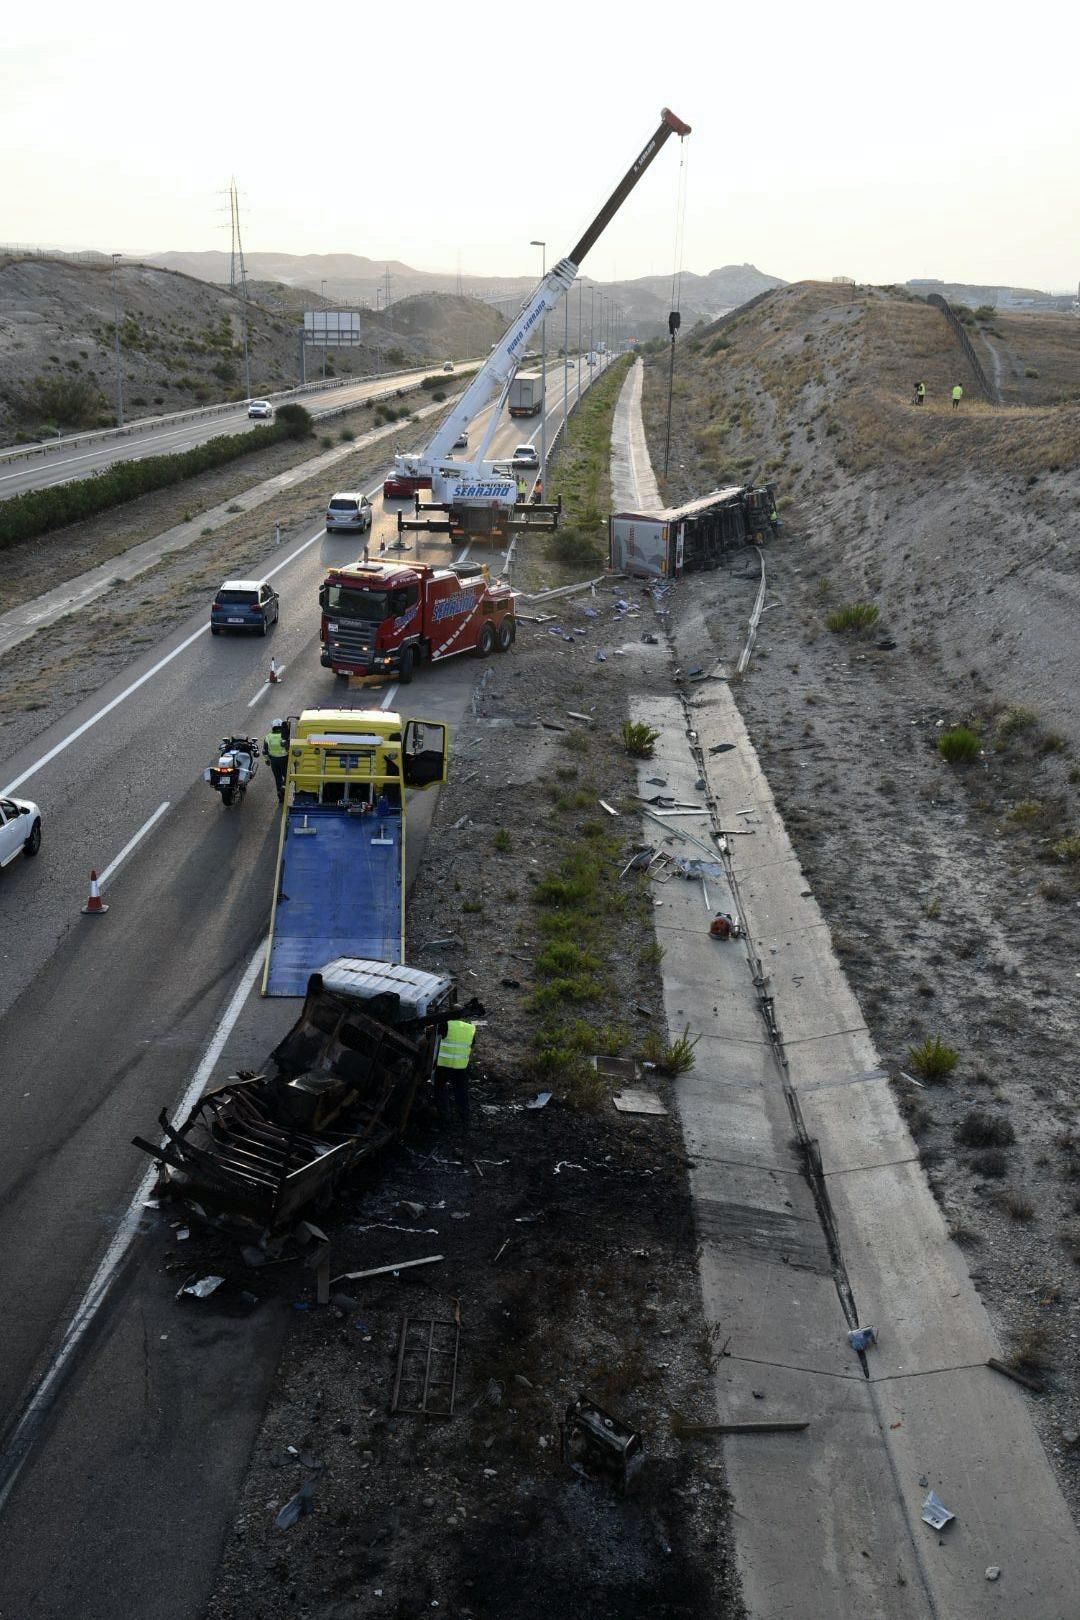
[(856, 1124), (633, 484)]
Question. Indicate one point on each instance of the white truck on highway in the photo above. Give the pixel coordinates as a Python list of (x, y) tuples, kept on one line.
[(526, 396)]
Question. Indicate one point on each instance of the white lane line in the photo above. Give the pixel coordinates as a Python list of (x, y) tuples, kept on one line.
[(151, 821), (391, 693), (121, 697), (95, 1296)]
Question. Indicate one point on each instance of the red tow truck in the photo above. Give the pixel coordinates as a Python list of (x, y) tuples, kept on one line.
[(384, 618)]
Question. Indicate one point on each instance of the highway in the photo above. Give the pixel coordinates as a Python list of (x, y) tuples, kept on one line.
[(104, 1021), (62, 466)]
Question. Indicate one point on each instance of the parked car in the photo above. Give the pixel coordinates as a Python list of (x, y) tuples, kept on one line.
[(403, 486), (448, 365), (20, 829), (244, 604), (524, 456), (261, 408), (348, 510), (462, 441)]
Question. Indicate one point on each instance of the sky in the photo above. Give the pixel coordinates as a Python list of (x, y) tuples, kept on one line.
[(828, 139)]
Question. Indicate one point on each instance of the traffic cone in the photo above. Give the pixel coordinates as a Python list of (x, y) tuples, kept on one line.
[(95, 906), (274, 676)]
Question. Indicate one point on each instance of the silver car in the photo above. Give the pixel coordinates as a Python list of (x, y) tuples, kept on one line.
[(348, 510)]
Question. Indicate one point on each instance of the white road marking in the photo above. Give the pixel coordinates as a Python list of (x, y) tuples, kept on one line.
[(95, 1296), (151, 821), (121, 697), (266, 685)]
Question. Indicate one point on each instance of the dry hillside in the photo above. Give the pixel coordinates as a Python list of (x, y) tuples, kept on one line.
[(951, 889), (181, 341)]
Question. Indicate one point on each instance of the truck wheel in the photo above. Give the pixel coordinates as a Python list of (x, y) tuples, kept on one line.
[(405, 673), (486, 642), (507, 632)]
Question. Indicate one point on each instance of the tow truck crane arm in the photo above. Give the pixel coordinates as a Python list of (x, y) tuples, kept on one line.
[(498, 370)]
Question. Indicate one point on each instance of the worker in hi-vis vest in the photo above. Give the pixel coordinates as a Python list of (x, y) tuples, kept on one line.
[(276, 752), (957, 395), (452, 1069)]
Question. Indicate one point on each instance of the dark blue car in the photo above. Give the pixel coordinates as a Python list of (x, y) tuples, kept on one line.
[(244, 604)]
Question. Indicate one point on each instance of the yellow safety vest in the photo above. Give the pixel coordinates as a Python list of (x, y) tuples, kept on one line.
[(456, 1044), (958, 392), (274, 744)]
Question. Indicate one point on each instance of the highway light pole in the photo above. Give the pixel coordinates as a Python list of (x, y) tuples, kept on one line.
[(579, 289), (116, 334), (322, 295), (543, 375), (566, 367)]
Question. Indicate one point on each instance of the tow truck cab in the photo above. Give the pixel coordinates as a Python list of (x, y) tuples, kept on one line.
[(385, 618)]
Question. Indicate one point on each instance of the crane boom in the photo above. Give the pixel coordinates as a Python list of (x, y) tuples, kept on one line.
[(455, 477)]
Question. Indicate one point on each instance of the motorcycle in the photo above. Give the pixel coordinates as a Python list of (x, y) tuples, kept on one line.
[(238, 760)]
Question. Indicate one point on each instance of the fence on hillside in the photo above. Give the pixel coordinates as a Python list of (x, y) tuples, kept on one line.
[(989, 393)]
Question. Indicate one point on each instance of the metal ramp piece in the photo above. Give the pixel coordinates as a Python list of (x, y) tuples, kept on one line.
[(425, 1382)]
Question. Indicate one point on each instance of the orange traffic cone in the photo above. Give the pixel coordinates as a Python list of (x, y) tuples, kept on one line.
[(274, 676), (95, 906)]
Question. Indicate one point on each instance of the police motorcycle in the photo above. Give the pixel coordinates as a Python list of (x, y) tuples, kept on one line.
[(237, 762)]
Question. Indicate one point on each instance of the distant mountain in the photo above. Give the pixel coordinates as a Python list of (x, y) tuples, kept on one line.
[(975, 296), (352, 279)]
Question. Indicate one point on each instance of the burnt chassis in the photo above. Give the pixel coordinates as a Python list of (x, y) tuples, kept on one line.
[(262, 1147)]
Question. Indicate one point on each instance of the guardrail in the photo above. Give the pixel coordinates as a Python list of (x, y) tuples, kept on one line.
[(988, 391), (149, 424)]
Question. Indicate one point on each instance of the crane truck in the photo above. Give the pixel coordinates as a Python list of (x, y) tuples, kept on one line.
[(339, 882), (477, 494)]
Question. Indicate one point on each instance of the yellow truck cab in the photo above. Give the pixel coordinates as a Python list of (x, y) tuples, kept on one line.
[(339, 886)]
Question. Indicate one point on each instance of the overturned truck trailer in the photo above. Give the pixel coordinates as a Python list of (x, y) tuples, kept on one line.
[(687, 539), (338, 1088)]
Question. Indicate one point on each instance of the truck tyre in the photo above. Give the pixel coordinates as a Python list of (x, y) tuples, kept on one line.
[(507, 632), (405, 673), (486, 642)]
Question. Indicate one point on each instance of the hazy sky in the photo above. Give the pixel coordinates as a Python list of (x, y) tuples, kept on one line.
[(837, 139)]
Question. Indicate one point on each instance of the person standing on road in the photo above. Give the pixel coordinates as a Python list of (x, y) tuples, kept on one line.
[(957, 395), (452, 1069), (276, 751)]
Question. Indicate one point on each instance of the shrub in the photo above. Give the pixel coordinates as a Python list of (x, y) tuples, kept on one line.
[(1068, 849), (296, 421), (502, 839), (570, 545), (855, 617), (980, 1129), (1030, 371), (1015, 719), (71, 402), (991, 1162), (959, 745), (932, 1059), (670, 1057), (639, 740), (1025, 811)]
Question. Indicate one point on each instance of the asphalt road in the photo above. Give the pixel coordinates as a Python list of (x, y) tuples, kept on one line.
[(104, 1021), (61, 466)]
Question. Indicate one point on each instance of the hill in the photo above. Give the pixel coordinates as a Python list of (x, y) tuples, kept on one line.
[(181, 341), (352, 279)]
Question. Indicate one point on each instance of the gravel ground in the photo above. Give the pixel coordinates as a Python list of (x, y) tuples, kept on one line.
[(951, 913)]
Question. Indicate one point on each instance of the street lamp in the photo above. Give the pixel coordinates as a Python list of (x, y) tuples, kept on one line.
[(543, 374), (116, 330), (322, 295)]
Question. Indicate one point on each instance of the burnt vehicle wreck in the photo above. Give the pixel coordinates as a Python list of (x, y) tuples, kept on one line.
[(337, 1090)]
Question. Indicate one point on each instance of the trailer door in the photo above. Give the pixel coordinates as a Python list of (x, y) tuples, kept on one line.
[(424, 753)]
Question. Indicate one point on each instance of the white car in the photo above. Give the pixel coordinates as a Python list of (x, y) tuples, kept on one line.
[(462, 440), (20, 829), (261, 408), (524, 456), (448, 365)]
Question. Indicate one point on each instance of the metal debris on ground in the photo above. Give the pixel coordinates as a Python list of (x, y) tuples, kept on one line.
[(303, 1502), (862, 1338), (616, 1068), (1034, 1384), (593, 1440), (630, 1101), (425, 1382), (935, 1513), (777, 1426), (605, 806), (721, 748), (201, 1289), (386, 1271), (541, 1100)]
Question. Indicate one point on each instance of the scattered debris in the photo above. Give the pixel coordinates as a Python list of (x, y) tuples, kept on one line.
[(993, 1571), (778, 1426), (638, 1102), (862, 1338), (303, 1502), (565, 1164), (935, 1513), (721, 748), (541, 1100), (575, 716), (605, 806), (385, 1271), (592, 1438), (617, 1068), (201, 1289), (425, 1382), (1034, 1384)]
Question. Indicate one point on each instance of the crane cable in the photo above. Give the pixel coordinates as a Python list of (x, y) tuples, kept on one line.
[(675, 317)]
